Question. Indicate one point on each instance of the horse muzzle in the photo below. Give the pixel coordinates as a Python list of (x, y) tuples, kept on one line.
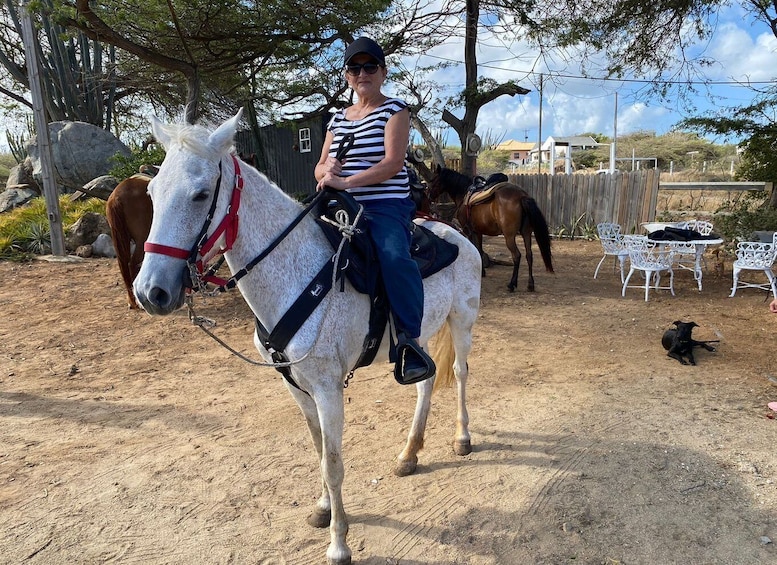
[(160, 297)]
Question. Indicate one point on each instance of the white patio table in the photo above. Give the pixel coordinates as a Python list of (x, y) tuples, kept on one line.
[(700, 246)]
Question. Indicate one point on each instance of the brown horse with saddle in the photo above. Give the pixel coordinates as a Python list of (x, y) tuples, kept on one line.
[(496, 208)]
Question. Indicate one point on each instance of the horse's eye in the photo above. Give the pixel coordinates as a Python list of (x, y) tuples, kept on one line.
[(201, 195)]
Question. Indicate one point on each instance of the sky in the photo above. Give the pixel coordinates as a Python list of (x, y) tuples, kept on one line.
[(745, 51)]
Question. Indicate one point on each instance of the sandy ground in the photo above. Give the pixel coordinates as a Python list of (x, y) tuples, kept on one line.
[(131, 439)]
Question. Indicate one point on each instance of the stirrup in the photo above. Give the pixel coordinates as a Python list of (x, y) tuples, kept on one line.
[(413, 363)]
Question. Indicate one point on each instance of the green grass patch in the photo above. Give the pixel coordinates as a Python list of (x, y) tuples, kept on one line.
[(24, 231)]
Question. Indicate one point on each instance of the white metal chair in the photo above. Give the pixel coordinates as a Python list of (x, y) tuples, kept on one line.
[(755, 256), (612, 244), (650, 258), (685, 253)]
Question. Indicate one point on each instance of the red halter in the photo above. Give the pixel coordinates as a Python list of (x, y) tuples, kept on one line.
[(204, 252)]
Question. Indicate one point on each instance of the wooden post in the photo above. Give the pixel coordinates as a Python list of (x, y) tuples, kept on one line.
[(50, 190)]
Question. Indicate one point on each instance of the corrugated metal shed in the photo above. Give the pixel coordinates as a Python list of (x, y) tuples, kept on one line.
[(287, 153)]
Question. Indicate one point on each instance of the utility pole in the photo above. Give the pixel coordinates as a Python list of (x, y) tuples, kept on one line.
[(614, 136), (539, 134), (50, 191)]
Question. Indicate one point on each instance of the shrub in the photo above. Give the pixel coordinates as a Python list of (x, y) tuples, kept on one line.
[(24, 231), (737, 220), (126, 166)]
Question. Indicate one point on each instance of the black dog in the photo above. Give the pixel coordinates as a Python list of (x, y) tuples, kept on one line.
[(679, 343)]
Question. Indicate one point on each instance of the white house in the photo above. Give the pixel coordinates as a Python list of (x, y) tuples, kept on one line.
[(557, 147)]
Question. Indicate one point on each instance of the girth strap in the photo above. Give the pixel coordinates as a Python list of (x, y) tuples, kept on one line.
[(276, 341)]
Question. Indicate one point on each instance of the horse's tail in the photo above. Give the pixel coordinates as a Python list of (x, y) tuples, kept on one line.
[(114, 213), (443, 355), (541, 231)]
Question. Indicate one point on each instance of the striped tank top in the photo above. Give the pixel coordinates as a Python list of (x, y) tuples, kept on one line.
[(369, 148)]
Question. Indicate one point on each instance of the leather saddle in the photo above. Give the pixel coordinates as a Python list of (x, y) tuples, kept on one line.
[(481, 190), (359, 264)]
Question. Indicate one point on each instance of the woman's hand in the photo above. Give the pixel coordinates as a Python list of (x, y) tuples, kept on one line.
[(332, 169), (332, 181), (773, 306), (333, 165)]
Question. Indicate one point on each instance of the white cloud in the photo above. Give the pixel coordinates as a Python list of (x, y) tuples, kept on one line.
[(743, 48)]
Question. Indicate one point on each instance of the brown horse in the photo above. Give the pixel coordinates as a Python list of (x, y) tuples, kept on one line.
[(128, 210), (509, 211)]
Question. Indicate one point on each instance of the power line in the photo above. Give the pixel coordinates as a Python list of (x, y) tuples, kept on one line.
[(630, 80)]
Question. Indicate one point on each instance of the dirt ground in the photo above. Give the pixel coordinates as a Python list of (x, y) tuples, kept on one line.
[(131, 439)]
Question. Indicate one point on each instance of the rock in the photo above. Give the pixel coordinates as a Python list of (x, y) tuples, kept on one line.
[(21, 175), (84, 251), (80, 153), (101, 187), (762, 236), (86, 230), (14, 197), (103, 246)]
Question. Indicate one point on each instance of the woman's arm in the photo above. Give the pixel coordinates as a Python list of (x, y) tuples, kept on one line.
[(325, 162)]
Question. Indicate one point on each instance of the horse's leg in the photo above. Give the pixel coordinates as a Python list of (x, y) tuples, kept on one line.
[(322, 511), (478, 241), (526, 233), (462, 343), (331, 416), (516, 255), (408, 459), (325, 418)]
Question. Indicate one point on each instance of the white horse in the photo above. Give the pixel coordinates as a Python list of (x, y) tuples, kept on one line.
[(329, 343)]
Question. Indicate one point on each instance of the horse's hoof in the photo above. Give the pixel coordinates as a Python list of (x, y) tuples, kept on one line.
[(530, 288), (343, 561), (320, 518), (462, 447), (405, 468), (511, 288)]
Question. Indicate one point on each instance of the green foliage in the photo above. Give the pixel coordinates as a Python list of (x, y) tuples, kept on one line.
[(126, 166), (758, 161), (7, 162), (24, 231), (492, 162), (737, 220)]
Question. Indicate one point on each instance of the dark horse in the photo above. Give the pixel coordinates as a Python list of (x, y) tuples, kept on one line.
[(509, 211), (128, 210)]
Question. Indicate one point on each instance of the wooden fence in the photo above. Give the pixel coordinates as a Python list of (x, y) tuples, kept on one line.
[(626, 198)]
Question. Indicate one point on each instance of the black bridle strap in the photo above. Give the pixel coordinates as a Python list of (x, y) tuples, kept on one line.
[(200, 241)]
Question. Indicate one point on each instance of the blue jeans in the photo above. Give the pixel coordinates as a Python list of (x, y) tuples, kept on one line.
[(389, 224)]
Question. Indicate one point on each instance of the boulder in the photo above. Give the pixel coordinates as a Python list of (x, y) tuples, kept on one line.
[(21, 174), (17, 196), (84, 251), (86, 230), (101, 187), (80, 153), (103, 246)]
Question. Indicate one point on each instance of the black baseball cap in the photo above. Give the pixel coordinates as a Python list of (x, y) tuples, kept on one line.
[(367, 46)]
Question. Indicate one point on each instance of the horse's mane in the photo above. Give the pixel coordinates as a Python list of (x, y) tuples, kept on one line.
[(193, 137), (454, 181)]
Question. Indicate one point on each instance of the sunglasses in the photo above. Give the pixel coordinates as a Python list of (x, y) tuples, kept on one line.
[(355, 70)]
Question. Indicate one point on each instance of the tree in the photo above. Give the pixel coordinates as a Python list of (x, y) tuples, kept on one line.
[(229, 51), (76, 84)]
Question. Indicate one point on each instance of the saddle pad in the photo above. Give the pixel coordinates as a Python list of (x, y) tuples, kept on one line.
[(484, 195)]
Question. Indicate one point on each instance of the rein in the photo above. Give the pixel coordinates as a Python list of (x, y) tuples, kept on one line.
[(203, 248)]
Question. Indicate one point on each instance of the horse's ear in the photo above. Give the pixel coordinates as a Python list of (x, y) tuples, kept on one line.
[(222, 138), (158, 131)]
